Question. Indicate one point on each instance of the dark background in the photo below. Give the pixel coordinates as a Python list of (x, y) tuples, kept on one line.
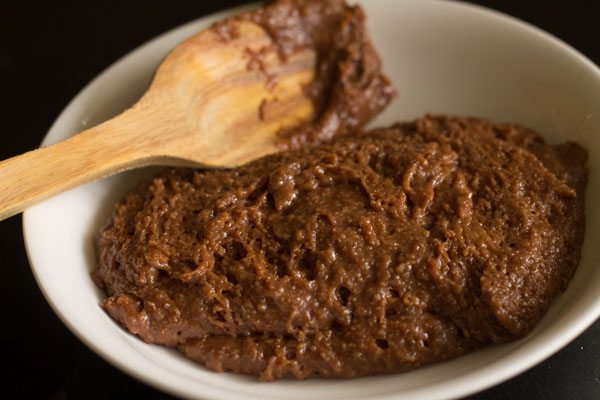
[(48, 51)]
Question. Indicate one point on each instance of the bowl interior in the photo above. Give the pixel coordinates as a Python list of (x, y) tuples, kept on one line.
[(444, 57)]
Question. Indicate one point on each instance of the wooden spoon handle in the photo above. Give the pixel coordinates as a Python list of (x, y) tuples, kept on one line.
[(31, 177)]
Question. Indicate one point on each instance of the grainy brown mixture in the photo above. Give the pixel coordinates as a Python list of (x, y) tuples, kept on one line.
[(375, 253), (349, 87)]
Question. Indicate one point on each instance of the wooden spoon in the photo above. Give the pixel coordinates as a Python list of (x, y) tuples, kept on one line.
[(213, 102)]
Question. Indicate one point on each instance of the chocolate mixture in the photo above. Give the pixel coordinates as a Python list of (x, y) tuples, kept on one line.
[(349, 88), (372, 253)]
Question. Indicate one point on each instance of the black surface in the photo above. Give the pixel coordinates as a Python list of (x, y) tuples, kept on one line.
[(48, 52)]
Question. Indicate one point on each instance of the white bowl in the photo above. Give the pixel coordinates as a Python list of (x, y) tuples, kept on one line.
[(444, 57)]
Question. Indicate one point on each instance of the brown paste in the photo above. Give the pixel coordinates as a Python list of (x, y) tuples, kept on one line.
[(372, 253), (375, 253), (349, 87)]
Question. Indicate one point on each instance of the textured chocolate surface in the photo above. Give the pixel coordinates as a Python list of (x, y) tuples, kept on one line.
[(374, 253)]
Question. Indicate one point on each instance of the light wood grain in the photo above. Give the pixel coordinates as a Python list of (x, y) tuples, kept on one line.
[(211, 103)]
